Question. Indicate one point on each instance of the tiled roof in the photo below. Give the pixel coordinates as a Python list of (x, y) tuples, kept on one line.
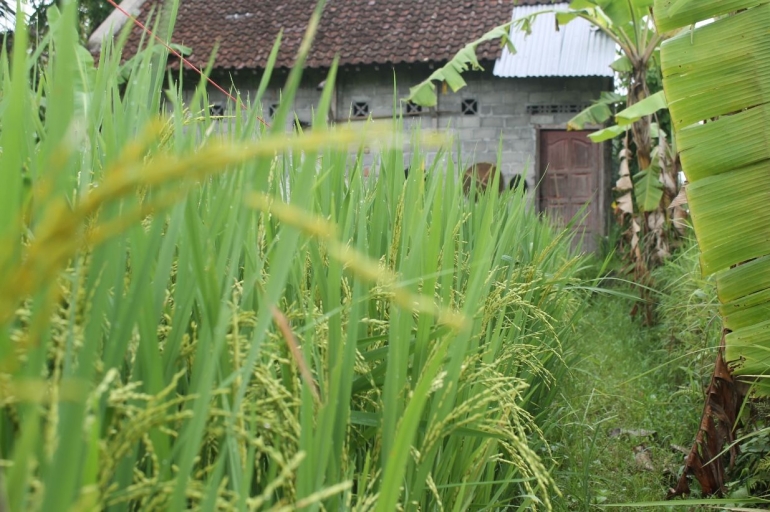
[(360, 31)]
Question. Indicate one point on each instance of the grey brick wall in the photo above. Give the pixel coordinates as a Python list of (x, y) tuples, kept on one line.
[(502, 108)]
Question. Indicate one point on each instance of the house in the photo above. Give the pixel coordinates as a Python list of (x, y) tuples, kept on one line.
[(525, 99)]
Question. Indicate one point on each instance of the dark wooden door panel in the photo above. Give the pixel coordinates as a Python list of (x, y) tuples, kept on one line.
[(570, 167)]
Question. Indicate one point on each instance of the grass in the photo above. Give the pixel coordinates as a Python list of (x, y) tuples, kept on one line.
[(212, 314), (631, 378), (628, 377)]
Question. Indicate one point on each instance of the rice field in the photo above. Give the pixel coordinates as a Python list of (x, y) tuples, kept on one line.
[(213, 314)]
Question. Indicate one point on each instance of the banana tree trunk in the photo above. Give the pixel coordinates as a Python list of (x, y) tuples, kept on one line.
[(637, 91), (640, 133)]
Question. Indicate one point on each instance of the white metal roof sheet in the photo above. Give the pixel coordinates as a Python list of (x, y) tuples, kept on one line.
[(576, 49)]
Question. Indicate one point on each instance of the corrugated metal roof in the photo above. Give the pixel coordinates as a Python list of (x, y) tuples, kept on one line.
[(576, 49)]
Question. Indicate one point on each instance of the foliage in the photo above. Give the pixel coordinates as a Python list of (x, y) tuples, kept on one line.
[(727, 245), (724, 155), (597, 113), (624, 412), (751, 476), (643, 201), (424, 93), (648, 222), (688, 309), (614, 392), (208, 313), (647, 190), (92, 13), (689, 318), (7, 12)]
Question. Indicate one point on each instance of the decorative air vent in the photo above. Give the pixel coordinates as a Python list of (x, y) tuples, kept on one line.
[(555, 109), (217, 109), (360, 109), (469, 107), (413, 108)]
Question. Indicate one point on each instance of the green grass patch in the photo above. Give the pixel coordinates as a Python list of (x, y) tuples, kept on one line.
[(626, 382), (626, 379)]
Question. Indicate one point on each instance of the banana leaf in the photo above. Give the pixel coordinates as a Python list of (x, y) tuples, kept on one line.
[(716, 79), (596, 113), (646, 107)]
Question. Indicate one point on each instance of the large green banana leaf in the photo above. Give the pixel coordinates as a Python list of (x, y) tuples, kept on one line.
[(717, 82)]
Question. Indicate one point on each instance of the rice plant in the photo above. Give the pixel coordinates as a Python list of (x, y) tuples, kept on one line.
[(213, 314)]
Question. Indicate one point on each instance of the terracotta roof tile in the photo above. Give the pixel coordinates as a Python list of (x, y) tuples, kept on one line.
[(360, 31)]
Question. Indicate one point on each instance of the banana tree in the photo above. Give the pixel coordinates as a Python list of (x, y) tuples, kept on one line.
[(717, 82), (627, 23), (645, 195), (645, 191)]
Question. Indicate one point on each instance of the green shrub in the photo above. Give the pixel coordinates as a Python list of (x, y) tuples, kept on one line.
[(689, 312), (176, 335), (690, 316)]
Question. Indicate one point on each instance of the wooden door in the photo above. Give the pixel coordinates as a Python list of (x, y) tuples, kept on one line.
[(570, 177)]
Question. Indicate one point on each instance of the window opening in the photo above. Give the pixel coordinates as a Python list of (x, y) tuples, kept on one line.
[(555, 109)]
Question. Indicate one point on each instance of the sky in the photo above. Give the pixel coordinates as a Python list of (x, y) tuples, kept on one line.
[(8, 23)]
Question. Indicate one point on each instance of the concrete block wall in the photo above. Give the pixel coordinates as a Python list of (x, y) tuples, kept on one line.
[(502, 108), (503, 117)]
